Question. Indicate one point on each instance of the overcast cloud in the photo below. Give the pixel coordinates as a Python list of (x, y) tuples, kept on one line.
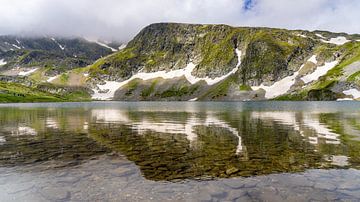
[(122, 19)]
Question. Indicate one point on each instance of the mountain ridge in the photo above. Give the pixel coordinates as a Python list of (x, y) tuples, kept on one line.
[(247, 63)]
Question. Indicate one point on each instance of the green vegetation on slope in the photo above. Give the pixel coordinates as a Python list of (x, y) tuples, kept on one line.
[(12, 92)]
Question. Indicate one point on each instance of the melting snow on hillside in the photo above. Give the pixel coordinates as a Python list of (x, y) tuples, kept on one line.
[(16, 46), (122, 46), (103, 44), (25, 73), (112, 86), (106, 46), (50, 79), (340, 40), (279, 87), (283, 86), (321, 36), (320, 71)]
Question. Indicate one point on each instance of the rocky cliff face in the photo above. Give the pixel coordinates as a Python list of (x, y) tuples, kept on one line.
[(169, 61)]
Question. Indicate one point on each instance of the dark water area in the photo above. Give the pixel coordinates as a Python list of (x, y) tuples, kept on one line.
[(233, 150)]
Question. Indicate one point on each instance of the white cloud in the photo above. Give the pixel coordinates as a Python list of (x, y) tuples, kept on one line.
[(122, 19)]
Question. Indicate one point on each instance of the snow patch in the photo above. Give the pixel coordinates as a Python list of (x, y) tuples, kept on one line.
[(86, 74), (320, 71), (340, 40), (279, 87), (60, 46), (16, 46), (102, 44), (192, 79), (106, 46), (25, 73), (2, 62), (194, 99), (50, 79), (345, 99), (313, 59), (321, 36), (122, 46), (301, 35), (108, 89), (355, 93), (283, 86)]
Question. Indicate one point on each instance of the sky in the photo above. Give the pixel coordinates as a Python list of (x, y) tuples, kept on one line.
[(121, 20)]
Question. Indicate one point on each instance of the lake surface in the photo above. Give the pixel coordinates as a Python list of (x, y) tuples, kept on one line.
[(183, 151)]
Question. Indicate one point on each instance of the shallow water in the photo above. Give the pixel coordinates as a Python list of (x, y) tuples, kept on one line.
[(180, 151)]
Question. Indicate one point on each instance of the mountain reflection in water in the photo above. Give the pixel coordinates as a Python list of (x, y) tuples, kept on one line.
[(184, 140)]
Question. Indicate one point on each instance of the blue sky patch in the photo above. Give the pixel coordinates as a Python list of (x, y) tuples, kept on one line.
[(248, 4)]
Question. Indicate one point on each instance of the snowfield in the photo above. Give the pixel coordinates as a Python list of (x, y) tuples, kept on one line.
[(112, 86)]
